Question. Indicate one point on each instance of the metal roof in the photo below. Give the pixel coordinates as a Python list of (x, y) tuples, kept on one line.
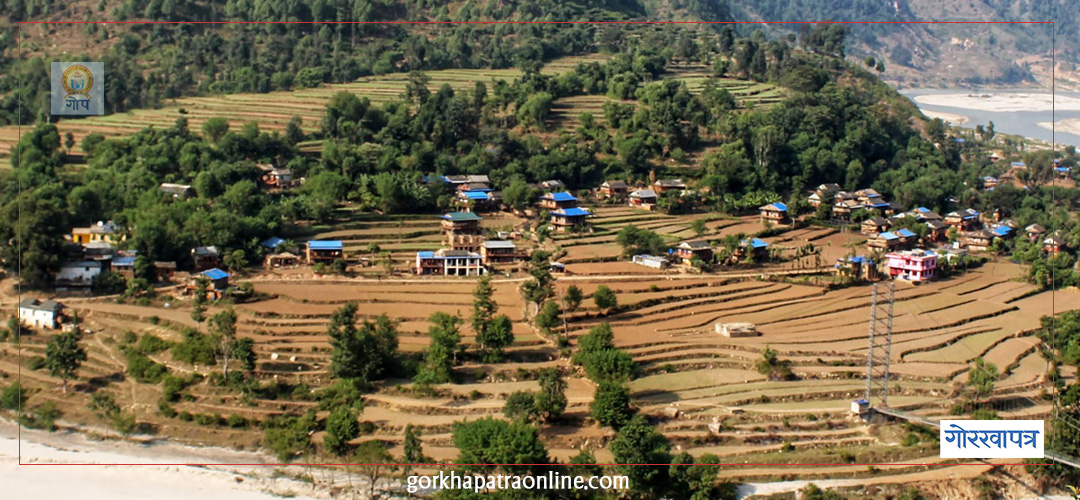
[(888, 235), (562, 196), (643, 193), (499, 244), (476, 195), (572, 212), (123, 261), (273, 242), (461, 216), (755, 243), (775, 206), (215, 274), (325, 245), (905, 233), (41, 305)]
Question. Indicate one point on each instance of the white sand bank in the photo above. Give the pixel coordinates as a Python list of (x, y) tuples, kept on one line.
[(952, 118), (1004, 102), (1068, 125)]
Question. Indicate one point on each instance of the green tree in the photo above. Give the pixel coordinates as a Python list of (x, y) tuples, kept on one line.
[(773, 367), (214, 129), (64, 356), (485, 442), (518, 195), (573, 298), (496, 336), (223, 326), (698, 227), (236, 260), (551, 401), (341, 427), (611, 405), (549, 316), (413, 447), (640, 443), (198, 306), (981, 378), (599, 338), (366, 352), (521, 405), (605, 299), (438, 367), (636, 241), (609, 365), (289, 436)]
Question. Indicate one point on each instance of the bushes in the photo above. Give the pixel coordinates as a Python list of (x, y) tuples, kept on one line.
[(42, 417), (150, 344), (196, 349), (144, 369), (12, 397)]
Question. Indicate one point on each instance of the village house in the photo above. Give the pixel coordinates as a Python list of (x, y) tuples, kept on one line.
[(495, 252), (1034, 232), (325, 251), (217, 283), (556, 201), (447, 262), (479, 187), (939, 231), (912, 265), (815, 200), (827, 191), (857, 267), (1053, 244), (553, 185), (977, 241), (688, 250), (106, 231), (1062, 172), (923, 214), (37, 313), (124, 266), (177, 191), (653, 261), (885, 241), (963, 220), (644, 198), (569, 218), (165, 270), (479, 201), (462, 179), (614, 188), (868, 196), (79, 273), (276, 177), (1002, 231), (840, 196), (205, 258), (460, 223), (989, 183), (908, 238), (664, 185), (874, 225), (98, 250), (755, 247), (775, 213), (843, 209), (281, 260)]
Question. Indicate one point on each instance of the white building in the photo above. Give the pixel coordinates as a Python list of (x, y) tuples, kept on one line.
[(449, 263), (79, 273), (40, 313), (653, 261)]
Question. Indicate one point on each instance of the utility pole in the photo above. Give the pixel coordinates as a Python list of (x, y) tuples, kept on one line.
[(880, 343)]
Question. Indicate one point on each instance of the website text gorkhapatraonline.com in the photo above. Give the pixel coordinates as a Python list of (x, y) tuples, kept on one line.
[(480, 482)]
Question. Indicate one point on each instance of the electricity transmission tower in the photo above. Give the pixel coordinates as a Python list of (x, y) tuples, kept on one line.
[(877, 357)]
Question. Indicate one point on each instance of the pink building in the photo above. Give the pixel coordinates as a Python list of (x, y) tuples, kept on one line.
[(915, 265)]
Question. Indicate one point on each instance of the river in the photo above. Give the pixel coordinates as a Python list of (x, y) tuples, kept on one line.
[(1015, 111)]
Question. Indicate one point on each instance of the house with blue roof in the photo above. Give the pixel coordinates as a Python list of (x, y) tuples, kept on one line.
[(887, 240), (758, 248), (776, 213), (460, 223), (124, 266), (325, 251), (1062, 172), (857, 267), (569, 218), (558, 201), (217, 283), (272, 243)]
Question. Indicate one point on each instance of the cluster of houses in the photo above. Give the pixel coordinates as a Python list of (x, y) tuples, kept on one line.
[(688, 253), (645, 198), (93, 250), (467, 251)]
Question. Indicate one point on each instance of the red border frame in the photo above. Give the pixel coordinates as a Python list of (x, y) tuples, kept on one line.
[(1053, 205)]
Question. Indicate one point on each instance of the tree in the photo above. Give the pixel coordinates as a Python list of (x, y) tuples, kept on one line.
[(485, 442), (341, 427), (518, 195), (484, 308), (573, 298), (365, 353), (609, 365), (198, 307), (636, 241), (698, 227), (214, 129), (243, 350), (611, 405), (289, 436), (773, 367), (438, 367), (63, 356), (236, 260), (548, 317), (520, 405), (599, 338), (539, 288), (640, 443), (551, 401), (223, 325), (981, 378), (605, 299), (496, 336)]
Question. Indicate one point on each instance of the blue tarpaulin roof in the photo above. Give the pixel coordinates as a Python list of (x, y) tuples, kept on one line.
[(273, 242), (571, 212), (563, 196), (905, 233), (1002, 230), (427, 254), (1019, 164), (324, 245), (123, 261), (755, 243), (889, 235), (477, 195), (1061, 169), (215, 274)]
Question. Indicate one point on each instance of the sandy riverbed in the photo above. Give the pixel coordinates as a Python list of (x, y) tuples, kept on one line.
[(952, 118), (51, 474), (1068, 125), (1004, 102)]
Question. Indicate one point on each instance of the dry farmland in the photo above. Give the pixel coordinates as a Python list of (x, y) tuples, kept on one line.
[(690, 378)]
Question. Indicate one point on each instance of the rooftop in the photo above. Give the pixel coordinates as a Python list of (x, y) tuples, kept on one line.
[(460, 216), (215, 274), (499, 244), (563, 196), (325, 245), (572, 212), (41, 305), (643, 193)]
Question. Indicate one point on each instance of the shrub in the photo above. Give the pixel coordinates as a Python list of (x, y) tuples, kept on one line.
[(144, 369), (166, 410), (207, 419), (196, 348), (151, 344), (35, 363), (910, 439), (11, 398), (186, 417), (42, 417), (128, 338), (236, 421)]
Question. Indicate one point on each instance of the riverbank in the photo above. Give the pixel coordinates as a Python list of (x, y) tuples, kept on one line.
[(147, 471), (1068, 125), (1003, 102), (952, 118)]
